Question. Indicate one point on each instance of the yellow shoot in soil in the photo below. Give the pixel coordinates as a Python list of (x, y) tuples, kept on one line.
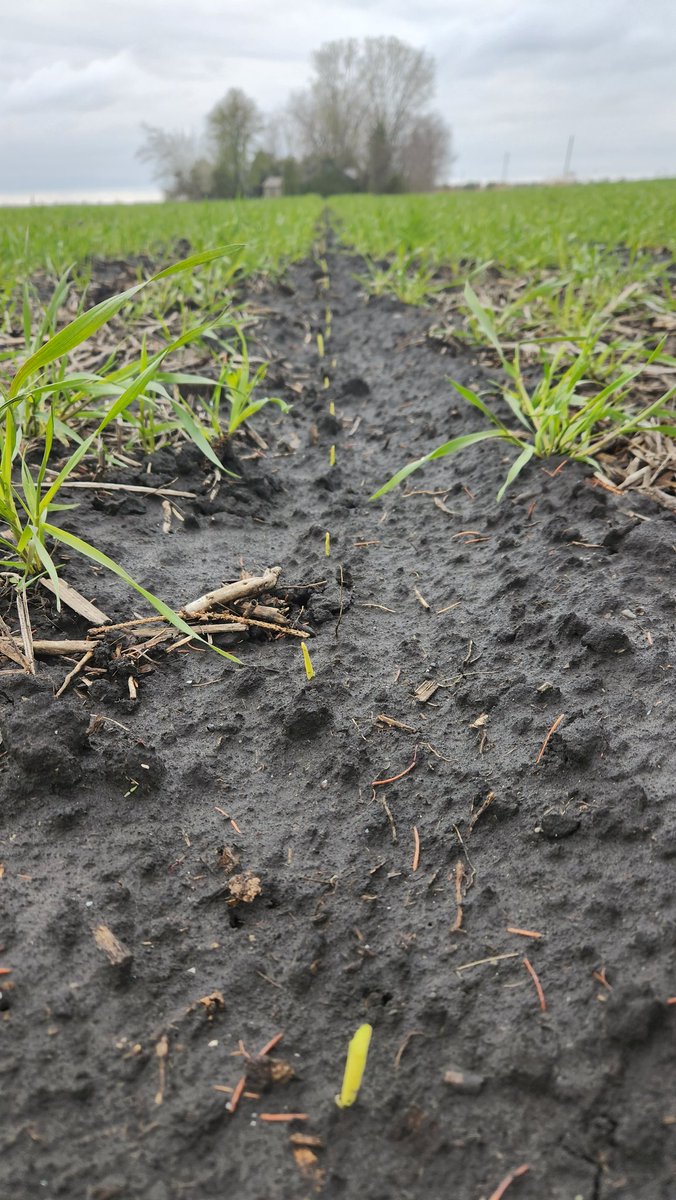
[(309, 669), (320, 345), (327, 382), (355, 1065), (332, 456), (327, 545), (332, 409)]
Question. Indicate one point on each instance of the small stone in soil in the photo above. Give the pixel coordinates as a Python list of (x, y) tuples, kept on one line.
[(559, 825)]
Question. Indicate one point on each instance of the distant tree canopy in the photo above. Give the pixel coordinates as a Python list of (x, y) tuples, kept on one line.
[(363, 124)]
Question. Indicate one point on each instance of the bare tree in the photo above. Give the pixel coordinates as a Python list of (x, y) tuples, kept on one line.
[(364, 121), (177, 163), (425, 153), (398, 82), (328, 116), (233, 124), (362, 108)]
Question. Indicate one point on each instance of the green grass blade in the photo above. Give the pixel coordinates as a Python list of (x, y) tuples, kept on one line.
[(190, 426), (476, 401), (484, 321), (48, 563), (65, 471), (452, 447), (516, 469), (91, 321)]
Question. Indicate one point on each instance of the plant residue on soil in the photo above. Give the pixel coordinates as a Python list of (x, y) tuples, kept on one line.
[(459, 831)]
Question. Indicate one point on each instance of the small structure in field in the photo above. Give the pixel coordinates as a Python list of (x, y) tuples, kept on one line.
[(273, 186)]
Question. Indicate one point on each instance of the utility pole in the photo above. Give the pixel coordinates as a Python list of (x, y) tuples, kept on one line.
[(505, 167), (569, 156)]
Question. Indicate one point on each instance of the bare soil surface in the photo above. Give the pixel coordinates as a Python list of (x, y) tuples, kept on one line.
[(225, 831)]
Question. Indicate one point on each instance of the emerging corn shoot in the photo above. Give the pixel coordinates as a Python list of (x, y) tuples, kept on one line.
[(307, 661), (355, 1065)]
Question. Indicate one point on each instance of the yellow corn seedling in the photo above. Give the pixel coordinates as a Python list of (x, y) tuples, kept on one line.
[(309, 669), (355, 1065)]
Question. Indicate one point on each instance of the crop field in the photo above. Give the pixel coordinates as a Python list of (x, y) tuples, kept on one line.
[(337, 646)]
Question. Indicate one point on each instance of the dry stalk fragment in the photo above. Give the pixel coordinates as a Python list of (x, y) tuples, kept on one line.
[(79, 604), (550, 732), (508, 1180), (116, 952), (230, 592)]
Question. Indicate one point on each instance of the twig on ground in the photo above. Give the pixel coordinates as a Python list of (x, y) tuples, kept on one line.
[(388, 810), (72, 598), (382, 719), (482, 807), (234, 591), (509, 1179), (75, 671), (26, 631), (472, 877), (421, 600), (600, 977), (94, 485), (529, 933), (219, 1087), (402, 1049), (275, 626), (161, 1052), (552, 730), (274, 1041), (11, 649), (237, 1094), (394, 778), (494, 958), (538, 986), (459, 881), (341, 598), (416, 849), (137, 621), (43, 646)]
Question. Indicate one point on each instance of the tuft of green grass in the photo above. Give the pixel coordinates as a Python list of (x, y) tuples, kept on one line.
[(557, 416), (28, 499)]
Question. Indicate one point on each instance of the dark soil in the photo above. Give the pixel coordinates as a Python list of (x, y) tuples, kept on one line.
[(558, 601)]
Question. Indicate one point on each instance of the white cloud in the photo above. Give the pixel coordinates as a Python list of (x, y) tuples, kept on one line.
[(97, 84), (514, 76)]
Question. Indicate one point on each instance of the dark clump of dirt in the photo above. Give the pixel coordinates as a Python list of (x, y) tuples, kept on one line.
[(193, 869)]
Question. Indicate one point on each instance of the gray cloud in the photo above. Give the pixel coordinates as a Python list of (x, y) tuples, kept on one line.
[(514, 77)]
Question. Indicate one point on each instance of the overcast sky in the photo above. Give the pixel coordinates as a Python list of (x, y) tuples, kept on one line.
[(78, 77)]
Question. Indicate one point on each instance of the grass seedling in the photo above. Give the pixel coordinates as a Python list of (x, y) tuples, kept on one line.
[(405, 278), (355, 1065), (332, 456), (327, 544), (557, 417), (238, 384), (320, 345), (307, 661), (28, 500)]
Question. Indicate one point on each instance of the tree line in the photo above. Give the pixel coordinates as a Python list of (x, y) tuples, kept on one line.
[(362, 124)]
